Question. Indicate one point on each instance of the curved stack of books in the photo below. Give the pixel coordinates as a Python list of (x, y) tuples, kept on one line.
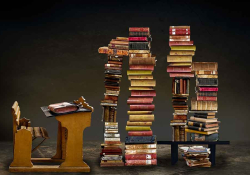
[(203, 125), (140, 144), (179, 68), (111, 154)]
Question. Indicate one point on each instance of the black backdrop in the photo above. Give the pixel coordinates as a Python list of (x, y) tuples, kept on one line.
[(49, 54)]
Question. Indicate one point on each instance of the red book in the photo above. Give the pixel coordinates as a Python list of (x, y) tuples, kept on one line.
[(181, 74), (179, 32), (140, 162), (178, 69), (138, 38), (148, 107), (141, 67), (110, 97), (142, 93), (112, 149), (135, 100), (180, 117), (178, 29), (139, 29), (205, 98), (180, 43), (115, 62), (140, 156), (215, 89), (140, 133), (112, 142)]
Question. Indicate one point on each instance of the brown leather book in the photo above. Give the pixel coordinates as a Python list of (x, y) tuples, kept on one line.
[(205, 66), (181, 86), (62, 107), (151, 83), (180, 117), (141, 60)]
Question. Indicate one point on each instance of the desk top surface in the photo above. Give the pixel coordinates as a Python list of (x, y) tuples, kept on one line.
[(48, 113)]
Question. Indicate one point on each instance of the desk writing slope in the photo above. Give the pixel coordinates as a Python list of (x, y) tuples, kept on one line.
[(69, 147)]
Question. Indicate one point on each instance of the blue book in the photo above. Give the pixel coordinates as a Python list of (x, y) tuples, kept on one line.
[(140, 139), (200, 137)]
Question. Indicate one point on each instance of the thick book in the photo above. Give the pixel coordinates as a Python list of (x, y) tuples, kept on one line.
[(141, 67), (139, 123), (202, 129), (206, 94), (140, 151), (204, 116), (140, 139), (178, 69), (140, 77), (206, 72), (141, 146), (141, 118), (140, 156), (182, 52), (181, 74), (200, 137), (205, 120), (211, 89), (141, 162), (151, 83), (180, 117), (62, 107), (140, 133), (139, 100), (183, 48), (207, 76), (180, 43), (139, 34), (201, 132), (179, 58), (140, 55), (139, 72), (117, 46), (206, 81), (145, 107), (203, 105), (106, 50), (202, 124), (139, 45), (146, 93), (206, 98), (205, 66), (138, 51), (138, 128)]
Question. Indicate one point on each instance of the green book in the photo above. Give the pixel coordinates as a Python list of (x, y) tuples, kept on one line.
[(138, 128), (139, 72)]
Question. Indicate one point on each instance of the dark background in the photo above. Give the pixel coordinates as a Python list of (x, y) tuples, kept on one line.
[(48, 53)]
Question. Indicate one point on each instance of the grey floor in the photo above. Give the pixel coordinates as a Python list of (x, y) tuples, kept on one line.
[(231, 159)]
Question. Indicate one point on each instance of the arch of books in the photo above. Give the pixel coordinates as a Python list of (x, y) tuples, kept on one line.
[(140, 144)]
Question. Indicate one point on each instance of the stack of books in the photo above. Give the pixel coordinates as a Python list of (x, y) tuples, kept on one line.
[(196, 156), (111, 154), (203, 125), (179, 68), (140, 143)]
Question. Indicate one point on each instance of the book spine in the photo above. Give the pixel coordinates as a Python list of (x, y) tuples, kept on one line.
[(140, 139), (143, 83), (181, 74), (138, 38), (140, 133), (141, 60), (178, 69), (182, 52), (179, 29), (139, 77), (183, 48), (139, 72), (150, 93), (138, 100), (141, 67), (141, 118), (140, 156), (213, 89), (139, 123), (206, 98), (179, 32), (138, 128), (140, 162), (179, 58), (180, 43), (139, 46), (139, 29), (149, 107), (204, 66)]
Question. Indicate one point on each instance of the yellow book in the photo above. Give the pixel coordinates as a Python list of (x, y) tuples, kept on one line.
[(179, 58), (180, 64), (207, 76), (139, 123), (140, 146), (150, 83), (182, 52), (183, 48), (179, 27), (139, 112), (139, 51), (139, 72), (201, 132), (143, 55), (138, 128), (139, 77), (141, 118), (140, 88)]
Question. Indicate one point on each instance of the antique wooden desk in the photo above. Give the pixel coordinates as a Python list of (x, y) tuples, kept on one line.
[(69, 142)]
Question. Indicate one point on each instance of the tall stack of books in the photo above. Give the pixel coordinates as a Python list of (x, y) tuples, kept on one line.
[(203, 125), (179, 68), (140, 144), (111, 154), (196, 156)]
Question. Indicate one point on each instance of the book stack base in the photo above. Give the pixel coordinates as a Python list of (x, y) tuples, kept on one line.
[(179, 69), (111, 154), (140, 144)]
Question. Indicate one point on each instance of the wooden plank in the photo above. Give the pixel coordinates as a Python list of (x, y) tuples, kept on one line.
[(49, 168), (46, 160)]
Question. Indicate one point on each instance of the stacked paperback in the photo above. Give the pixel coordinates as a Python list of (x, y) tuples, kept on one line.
[(203, 125), (179, 68), (140, 143), (111, 154), (196, 156)]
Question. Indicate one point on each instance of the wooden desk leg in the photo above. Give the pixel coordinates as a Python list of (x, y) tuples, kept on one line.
[(212, 155), (75, 124), (58, 154), (174, 153)]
